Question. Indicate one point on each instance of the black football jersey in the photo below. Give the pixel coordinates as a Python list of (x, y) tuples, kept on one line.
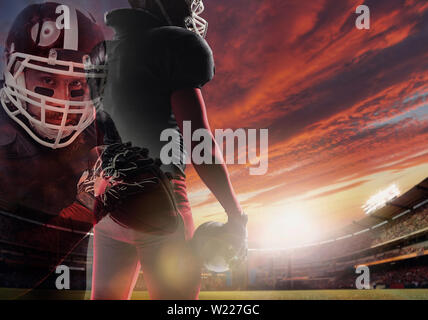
[(148, 61)]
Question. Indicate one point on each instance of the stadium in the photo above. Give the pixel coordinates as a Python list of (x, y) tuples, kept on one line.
[(392, 241), (345, 105)]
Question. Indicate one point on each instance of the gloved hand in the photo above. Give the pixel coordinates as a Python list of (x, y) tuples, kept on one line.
[(236, 227), (123, 180), (238, 223), (89, 188)]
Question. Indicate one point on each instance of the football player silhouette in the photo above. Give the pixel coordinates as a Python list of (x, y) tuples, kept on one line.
[(49, 124), (157, 64)]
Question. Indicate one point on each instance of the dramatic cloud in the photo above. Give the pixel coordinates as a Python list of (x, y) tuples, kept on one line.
[(346, 108), (341, 104)]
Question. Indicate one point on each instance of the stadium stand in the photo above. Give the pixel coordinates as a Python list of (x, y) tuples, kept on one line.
[(23, 260), (393, 242)]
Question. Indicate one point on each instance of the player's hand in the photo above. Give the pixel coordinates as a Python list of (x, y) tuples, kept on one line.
[(237, 224), (89, 188), (236, 227), (85, 192)]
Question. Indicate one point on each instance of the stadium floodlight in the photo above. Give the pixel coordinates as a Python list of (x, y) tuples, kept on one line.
[(380, 199)]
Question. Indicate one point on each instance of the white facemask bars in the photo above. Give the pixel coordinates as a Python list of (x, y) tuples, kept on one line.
[(196, 23), (16, 95)]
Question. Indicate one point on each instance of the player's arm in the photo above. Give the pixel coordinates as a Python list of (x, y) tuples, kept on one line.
[(79, 217), (86, 208), (191, 67), (85, 211), (188, 105)]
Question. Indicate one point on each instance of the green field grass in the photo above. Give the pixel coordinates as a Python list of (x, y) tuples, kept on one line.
[(407, 294)]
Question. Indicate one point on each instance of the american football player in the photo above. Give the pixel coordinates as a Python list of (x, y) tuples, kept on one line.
[(47, 132), (157, 65)]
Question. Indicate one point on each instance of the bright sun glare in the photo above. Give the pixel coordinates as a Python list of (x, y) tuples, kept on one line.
[(291, 226)]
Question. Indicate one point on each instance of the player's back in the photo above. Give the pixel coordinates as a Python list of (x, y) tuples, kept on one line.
[(146, 63)]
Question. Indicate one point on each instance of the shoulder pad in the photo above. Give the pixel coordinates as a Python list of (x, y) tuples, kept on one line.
[(7, 134), (15, 144), (192, 61)]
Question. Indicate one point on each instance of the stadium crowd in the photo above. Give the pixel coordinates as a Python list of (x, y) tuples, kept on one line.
[(405, 226), (388, 278), (411, 277), (272, 269)]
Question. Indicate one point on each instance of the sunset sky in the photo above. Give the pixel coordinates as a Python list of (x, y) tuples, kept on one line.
[(345, 108)]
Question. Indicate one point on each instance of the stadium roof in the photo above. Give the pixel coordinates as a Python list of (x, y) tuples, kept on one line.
[(411, 200)]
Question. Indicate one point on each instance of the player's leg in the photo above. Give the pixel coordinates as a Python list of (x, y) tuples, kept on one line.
[(115, 266), (170, 269)]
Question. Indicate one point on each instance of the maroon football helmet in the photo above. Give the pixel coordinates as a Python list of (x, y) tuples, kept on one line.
[(52, 40)]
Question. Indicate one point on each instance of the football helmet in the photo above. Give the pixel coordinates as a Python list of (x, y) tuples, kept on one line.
[(193, 22), (52, 41), (221, 246)]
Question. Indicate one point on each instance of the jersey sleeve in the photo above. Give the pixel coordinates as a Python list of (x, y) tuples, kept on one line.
[(192, 62), (107, 132)]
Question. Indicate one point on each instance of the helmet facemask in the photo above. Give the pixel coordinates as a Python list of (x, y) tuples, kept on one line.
[(194, 22), (52, 122)]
